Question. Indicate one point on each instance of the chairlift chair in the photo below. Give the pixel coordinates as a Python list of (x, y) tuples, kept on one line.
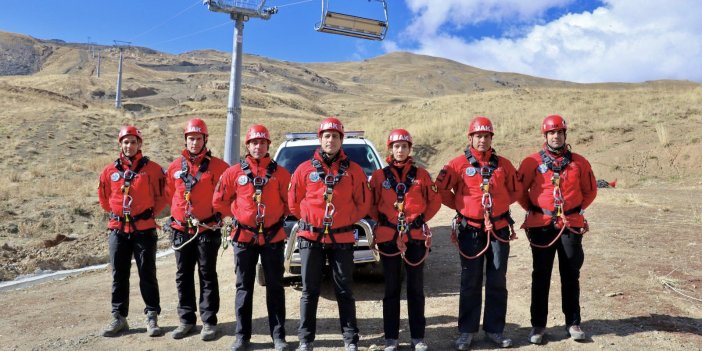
[(250, 8), (353, 26)]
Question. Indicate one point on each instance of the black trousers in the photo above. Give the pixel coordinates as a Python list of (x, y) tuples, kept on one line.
[(201, 252), (393, 286), (245, 259), (494, 263), (142, 246), (313, 256), (570, 259)]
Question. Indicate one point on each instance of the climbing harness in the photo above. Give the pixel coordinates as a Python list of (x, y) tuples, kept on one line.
[(556, 167), (258, 183), (330, 181), (191, 224), (402, 228), (129, 175), (488, 219)]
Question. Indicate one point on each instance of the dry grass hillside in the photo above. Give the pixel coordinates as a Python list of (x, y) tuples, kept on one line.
[(59, 124)]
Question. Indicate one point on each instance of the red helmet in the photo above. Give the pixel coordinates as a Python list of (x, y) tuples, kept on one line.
[(399, 135), (129, 130), (257, 131), (196, 125), (331, 123), (553, 122), (480, 124)]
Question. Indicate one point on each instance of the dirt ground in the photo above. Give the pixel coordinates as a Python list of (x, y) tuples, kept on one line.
[(641, 290)]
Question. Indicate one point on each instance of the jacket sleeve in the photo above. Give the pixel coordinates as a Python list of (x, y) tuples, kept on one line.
[(361, 194), (158, 188), (375, 193), (525, 176), (170, 183), (431, 196), (104, 190), (446, 182), (514, 187), (284, 184), (588, 184), (224, 194), (296, 191)]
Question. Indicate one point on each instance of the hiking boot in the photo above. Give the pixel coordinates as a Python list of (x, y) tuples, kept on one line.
[(576, 333), (391, 345), (419, 345), (305, 346), (182, 331), (499, 339), (536, 336), (117, 324), (208, 332), (463, 341), (280, 345), (240, 345), (152, 328), (350, 347)]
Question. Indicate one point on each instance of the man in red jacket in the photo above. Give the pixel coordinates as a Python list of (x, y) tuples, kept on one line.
[(558, 186), (255, 192), (131, 190), (404, 199), (191, 180), (481, 186), (328, 194)]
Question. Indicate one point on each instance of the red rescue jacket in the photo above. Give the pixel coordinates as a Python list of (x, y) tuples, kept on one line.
[(459, 186), (201, 192), (351, 198), (147, 191), (234, 197), (421, 199), (578, 187)]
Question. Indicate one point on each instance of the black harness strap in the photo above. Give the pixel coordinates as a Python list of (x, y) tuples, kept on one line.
[(330, 181), (258, 182), (269, 232), (506, 215), (401, 190), (485, 171), (321, 230), (189, 180), (128, 175), (556, 167)]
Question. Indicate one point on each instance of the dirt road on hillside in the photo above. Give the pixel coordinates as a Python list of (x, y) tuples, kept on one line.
[(643, 243)]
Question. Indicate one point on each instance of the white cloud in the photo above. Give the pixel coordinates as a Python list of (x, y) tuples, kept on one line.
[(624, 40)]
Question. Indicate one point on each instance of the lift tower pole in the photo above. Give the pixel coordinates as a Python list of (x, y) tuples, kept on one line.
[(240, 11), (118, 94)]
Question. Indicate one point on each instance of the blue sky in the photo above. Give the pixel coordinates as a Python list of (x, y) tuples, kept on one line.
[(581, 41)]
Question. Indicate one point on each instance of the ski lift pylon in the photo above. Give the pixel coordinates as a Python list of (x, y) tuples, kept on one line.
[(354, 26)]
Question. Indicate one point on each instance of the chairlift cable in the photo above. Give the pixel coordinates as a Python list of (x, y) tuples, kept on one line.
[(194, 33), (294, 3), (197, 2)]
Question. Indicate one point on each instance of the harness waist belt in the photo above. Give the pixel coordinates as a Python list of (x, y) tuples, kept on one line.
[(270, 230), (320, 230), (505, 215), (573, 210), (417, 223), (144, 215), (214, 218)]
